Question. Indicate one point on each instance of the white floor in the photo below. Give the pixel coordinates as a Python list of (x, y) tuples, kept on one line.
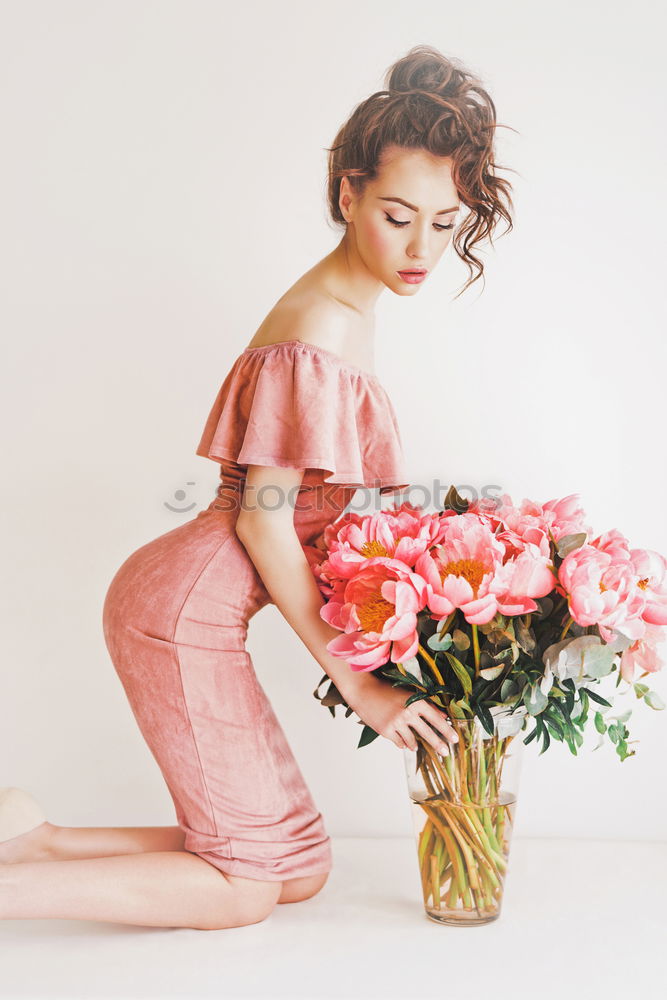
[(580, 918)]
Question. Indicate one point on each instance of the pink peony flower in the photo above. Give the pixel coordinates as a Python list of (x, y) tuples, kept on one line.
[(377, 611), (651, 569), (600, 583), (644, 653), (531, 522), (566, 517)]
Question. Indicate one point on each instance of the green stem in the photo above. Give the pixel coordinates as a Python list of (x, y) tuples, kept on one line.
[(475, 646), (566, 627)]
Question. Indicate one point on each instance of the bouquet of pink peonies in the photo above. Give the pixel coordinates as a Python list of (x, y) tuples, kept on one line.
[(504, 616)]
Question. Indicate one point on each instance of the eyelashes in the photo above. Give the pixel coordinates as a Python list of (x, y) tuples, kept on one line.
[(400, 225)]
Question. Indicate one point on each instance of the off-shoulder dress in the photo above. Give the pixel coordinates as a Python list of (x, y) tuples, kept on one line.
[(176, 612)]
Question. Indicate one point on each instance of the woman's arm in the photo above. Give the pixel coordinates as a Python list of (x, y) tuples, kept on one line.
[(265, 527)]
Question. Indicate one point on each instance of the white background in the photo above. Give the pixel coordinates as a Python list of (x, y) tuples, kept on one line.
[(162, 183)]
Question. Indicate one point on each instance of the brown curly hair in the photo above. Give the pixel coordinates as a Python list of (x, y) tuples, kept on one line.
[(430, 102)]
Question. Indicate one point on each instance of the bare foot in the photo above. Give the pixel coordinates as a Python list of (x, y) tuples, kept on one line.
[(31, 846)]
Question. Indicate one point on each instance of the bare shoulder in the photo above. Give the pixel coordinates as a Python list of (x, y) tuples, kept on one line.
[(308, 316)]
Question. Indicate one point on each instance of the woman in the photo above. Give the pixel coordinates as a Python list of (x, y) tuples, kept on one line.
[(300, 415)]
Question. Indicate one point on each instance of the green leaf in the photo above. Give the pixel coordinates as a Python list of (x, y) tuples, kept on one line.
[(367, 736), (640, 689), (556, 733), (598, 660), (596, 697), (554, 721), (460, 639), (461, 672), (484, 716), (568, 543), (404, 678), (534, 699), (546, 740), (460, 709), (508, 688), (417, 696), (437, 644), (600, 724), (531, 736), (654, 700), (490, 673)]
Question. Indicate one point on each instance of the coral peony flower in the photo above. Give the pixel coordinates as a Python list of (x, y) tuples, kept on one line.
[(377, 611), (403, 533), (467, 570)]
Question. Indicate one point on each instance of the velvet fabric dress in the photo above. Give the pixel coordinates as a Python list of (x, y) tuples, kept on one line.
[(176, 613)]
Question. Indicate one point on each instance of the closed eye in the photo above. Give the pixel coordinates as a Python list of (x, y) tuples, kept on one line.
[(395, 222)]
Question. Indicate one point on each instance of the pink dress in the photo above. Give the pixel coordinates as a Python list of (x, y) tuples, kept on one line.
[(176, 613)]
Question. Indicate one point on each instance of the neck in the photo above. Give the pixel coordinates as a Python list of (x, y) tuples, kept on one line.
[(349, 280)]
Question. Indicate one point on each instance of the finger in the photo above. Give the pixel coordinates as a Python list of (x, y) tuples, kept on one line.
[(407, 737), (439, 721), (423, 727)]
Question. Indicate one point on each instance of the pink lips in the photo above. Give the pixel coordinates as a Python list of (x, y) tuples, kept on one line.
[(413, 277)]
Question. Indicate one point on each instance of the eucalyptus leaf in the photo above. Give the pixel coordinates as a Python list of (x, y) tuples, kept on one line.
[(600, 724), (524, 636), (490, 673), (598, 660), (654, 700), (570, 659), (508, 688), (534, 699), (460, 639), (436, 644), (568, 543), (624, 716)]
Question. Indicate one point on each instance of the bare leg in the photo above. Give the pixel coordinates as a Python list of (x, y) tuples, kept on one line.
[(160, 889), (48, 842)]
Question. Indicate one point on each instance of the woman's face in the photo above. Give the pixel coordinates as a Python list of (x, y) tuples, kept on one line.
[(405, 217)]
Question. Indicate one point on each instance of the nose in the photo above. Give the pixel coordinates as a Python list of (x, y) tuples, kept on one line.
[(418, 246)]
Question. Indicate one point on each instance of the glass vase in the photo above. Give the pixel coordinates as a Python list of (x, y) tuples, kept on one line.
[(463, 809)]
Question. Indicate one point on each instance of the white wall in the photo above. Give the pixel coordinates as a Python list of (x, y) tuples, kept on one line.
[(151, 148)]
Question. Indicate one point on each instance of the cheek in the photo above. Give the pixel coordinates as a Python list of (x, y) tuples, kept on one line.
[(378, 240)]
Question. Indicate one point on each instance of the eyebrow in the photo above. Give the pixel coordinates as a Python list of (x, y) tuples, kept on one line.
[(401, 201)]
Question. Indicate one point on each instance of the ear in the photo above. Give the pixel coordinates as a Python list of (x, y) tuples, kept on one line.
[(345, 198)]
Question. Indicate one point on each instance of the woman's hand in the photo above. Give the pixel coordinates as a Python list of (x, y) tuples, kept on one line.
[(381, 706)]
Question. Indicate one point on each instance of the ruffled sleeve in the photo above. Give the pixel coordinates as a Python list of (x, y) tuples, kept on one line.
[(294, 405)]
